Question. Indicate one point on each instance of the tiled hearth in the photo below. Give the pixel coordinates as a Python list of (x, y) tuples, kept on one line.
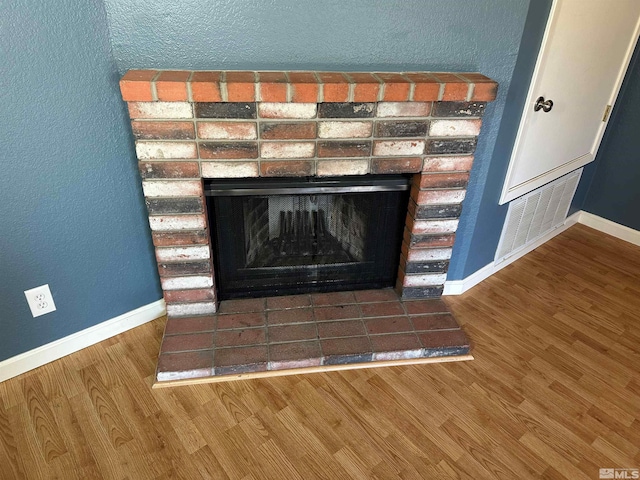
[(329, 330), (195, 125)]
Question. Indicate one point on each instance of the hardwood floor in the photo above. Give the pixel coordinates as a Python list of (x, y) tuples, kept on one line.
[(553, 392)]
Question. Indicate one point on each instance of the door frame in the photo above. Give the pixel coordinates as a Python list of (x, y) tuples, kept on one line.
[(510, 193)]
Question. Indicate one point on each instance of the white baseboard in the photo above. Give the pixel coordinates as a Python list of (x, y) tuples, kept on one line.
[(611, 228), (85, 338), (458, 287)]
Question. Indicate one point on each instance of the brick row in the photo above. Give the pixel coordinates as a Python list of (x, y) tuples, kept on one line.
[(304, 87)]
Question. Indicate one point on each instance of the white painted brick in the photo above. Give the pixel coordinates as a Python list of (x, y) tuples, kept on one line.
[(447, 164), (403, 109), (160, 110), (188, 309), (169, 254), (221, 169), (227, 130), (328, 168), (146, 150), (344, 129), (429, 254), (400, 147), (184, 374), (455, 128), (287, 110), (424, 280), (435, 226), (400, 355), (287, 149), (163, 223), (441, 197), (183, 283), (174, 188)]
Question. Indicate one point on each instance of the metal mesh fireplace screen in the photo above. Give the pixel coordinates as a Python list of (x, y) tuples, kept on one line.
[(282, 237)]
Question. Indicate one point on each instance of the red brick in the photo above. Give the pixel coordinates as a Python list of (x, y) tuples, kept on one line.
[(172, 86), (135, 85), (396, 87), (304, 86), (396, 165), (273, 86), (287, 168), (195, 295), (178, 366), (484, 90), (426, 306), (169, 169), (294, 355), (241, 320), (189, 324), (378, 295), (166, 239), (337, 149), (338, 312), (180, 343), (288, 333), (385, 309), (287, 131), (294, 315), (205, 87), (444, 339), (455, 89), (242, 306), (444, 180), (336, 87), (289, 301), (240, 87), (240, 336), (341, 328), (367, 87), (162, 130), (388, 325), (333, 298), (427, 87)]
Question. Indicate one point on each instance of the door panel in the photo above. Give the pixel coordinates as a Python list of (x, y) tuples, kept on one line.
[(584, 55)]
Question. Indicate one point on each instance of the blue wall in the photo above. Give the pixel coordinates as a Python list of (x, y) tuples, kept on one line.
[(610, 187), (71, 209)]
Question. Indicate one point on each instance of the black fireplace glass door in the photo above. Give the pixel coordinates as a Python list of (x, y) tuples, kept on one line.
[(294, 237)]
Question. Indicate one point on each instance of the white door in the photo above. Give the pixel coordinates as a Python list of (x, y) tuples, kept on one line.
[(583, 58)]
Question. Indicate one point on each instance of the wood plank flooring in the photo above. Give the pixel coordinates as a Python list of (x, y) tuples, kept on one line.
[(553, 392)]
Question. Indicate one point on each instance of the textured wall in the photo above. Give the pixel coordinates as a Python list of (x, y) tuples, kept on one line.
[(610, 188), (453, 35), (71, 207)]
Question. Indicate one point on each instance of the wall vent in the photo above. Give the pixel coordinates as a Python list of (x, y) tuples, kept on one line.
[(535, 214)]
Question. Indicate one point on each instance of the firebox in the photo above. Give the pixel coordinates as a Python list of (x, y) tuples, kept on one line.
[(284, 236)]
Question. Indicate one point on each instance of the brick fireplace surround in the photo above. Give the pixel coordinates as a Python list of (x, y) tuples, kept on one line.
[(191, 125)]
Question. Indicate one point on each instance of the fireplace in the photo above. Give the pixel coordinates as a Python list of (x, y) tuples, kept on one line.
[(213, 132), (289, 236), (191, 126)]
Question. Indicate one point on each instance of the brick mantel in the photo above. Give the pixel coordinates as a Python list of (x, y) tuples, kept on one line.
[(191, 125)]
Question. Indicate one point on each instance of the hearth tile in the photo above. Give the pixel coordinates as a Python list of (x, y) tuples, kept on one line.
[(385, 309), (396, 346), (425, 306), (240, 359), (438, 339), (290, 333), (242, 306), (333, 298), (384, 295), (442, 321), (180, 366), (182, 343), (341, 328), (241, 320), (296, 315), (294, 355), (290, 301), (339, 351), (240, 336), (338, 312), (388, 325), (182, 325)]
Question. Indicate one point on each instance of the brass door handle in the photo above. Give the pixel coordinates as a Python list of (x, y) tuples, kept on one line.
[(542, 105)]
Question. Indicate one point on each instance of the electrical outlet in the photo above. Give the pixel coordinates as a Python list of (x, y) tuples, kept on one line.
[(40, 300)]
